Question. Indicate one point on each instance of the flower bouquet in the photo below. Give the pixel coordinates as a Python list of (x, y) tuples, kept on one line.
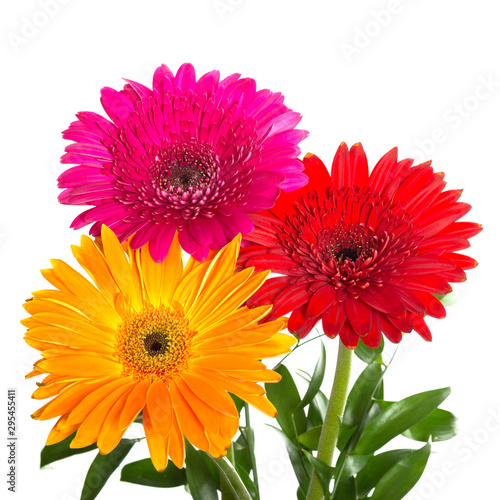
[(197, 194)]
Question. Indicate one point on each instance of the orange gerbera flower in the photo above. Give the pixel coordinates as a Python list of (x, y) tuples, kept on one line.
[(167, 340)]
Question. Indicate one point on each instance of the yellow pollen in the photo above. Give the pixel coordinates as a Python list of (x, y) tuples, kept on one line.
[(154, 344)]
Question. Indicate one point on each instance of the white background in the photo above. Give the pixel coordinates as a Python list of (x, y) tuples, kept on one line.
[(383, 72)]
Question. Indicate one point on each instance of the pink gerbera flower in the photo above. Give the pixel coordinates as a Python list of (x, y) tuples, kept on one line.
[(191, 155)]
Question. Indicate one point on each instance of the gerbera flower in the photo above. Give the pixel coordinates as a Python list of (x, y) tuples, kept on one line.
[(158, 338), (364, 253), (197, 156)]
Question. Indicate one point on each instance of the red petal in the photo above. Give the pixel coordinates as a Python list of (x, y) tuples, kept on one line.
[(269, 291), (333, 320), (348, 337), (433, 307), (462, 261), (382, 173), (389, 330), (340, 167), (385, 299), (360, 315), (323, 298), (291, 298), (298, 324), (420, 326), (277, 264), (359, 166)]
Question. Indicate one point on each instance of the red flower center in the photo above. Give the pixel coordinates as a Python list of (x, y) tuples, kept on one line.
[(342, 244)]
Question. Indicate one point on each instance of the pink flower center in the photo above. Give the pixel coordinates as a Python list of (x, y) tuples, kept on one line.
[(184, 166)]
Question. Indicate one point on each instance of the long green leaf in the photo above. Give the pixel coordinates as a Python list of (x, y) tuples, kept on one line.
[(359, 399), (397, 418), (401, 478), (143, 472), (285, 397), (201, 483), (301, 467), (62, 450), (376, 468), (440, 425), (346, 489), (369, 355), (317, 410), (316, 380), (325, 472), (102, 467), (359, 403)]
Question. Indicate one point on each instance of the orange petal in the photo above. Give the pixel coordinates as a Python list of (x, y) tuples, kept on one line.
[(135, 403), (156, 443), (90, 428), (191, 425), (159, 406), (111, 434), (261, 403), (209, 393)]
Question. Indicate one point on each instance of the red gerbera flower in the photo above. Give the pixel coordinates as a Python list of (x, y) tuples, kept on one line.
[(363, 252), (191, 155)]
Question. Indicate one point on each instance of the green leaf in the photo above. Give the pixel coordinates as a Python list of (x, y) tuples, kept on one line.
[(325, 472), (302, 469), (201, 483), (361, 396), (353, 464), (360, 401), (247, 481), (61, 450), (316, 380), (397, 418), (377, 467), (285, 397), (346, 489), (102, 467), (440, 425), (143, 472), (238, 402), (403, 476), (317, 410), (310, 438), (368, 355)]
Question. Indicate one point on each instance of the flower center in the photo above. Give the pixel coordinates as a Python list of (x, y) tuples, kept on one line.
[(343, 243), (184, 166), (154, 344)]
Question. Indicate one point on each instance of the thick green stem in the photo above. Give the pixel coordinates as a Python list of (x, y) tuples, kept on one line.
[(229, 474), (333, 418)]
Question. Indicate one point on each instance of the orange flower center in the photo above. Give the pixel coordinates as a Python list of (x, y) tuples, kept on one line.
[(154, 344)]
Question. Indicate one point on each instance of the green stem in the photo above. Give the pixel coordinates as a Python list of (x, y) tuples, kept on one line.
[(225, 487), (251, 447), (333, 418), (229, 474)]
